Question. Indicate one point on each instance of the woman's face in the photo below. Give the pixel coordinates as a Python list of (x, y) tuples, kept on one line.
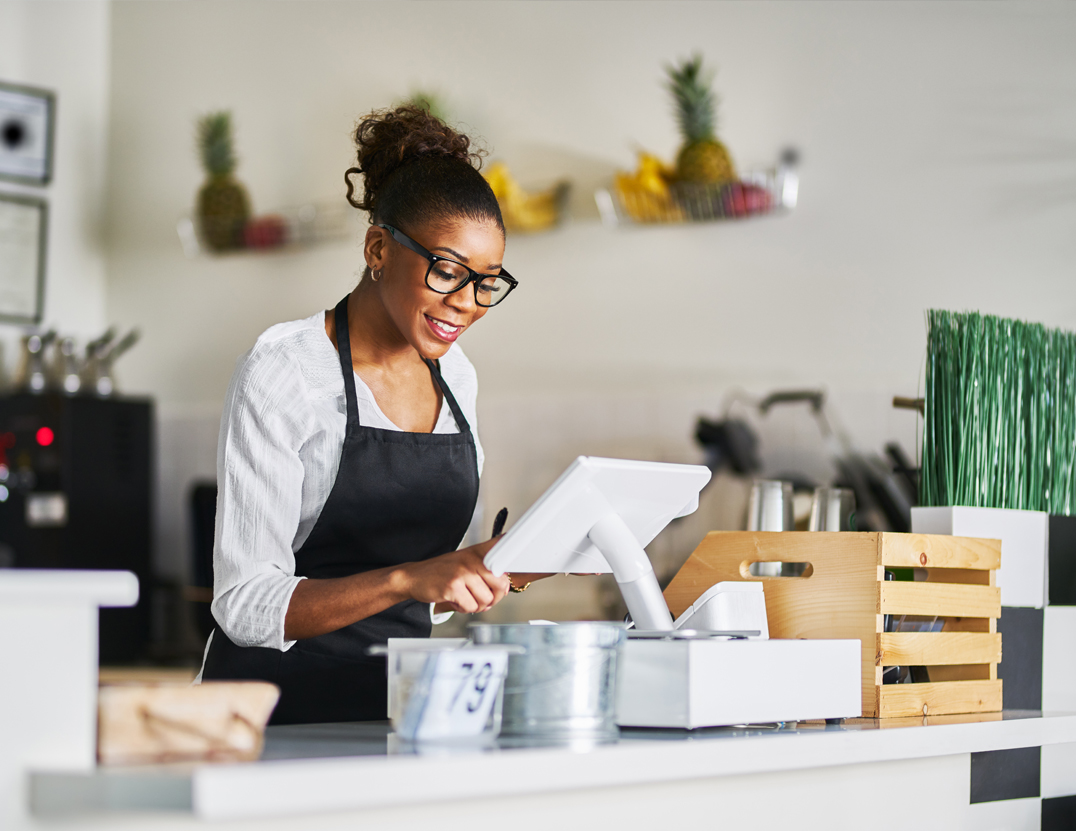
[(429, 321)]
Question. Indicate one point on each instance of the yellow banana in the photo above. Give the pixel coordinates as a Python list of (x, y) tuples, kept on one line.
[(645, 194), (523, 211)]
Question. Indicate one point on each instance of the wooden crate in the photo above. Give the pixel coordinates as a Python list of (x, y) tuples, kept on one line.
[(843, 594)]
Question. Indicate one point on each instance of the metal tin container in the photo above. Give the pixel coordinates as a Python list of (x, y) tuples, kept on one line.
[(564, 685), (833, 509), (770, 508)]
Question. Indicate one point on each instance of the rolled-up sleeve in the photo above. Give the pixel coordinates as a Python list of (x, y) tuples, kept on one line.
[(260, 481)]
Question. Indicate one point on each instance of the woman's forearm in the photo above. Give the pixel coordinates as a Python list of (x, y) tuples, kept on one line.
[(458, 581), (321, 606)]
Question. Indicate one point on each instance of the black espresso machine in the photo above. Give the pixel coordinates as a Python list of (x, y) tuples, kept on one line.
[(75, 493)]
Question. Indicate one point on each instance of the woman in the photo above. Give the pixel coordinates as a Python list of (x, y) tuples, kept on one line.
[(348, 464)]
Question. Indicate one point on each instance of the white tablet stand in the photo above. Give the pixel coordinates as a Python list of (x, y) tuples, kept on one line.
[(596, 518)]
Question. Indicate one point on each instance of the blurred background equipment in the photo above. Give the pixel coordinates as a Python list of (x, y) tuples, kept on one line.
[(883, 489), (75, 493), (101, 354), (728, 443), (66, 367), (50, 362), (32, 375)]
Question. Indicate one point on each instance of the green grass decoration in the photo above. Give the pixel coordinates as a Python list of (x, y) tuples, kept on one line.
[(1000, 422)]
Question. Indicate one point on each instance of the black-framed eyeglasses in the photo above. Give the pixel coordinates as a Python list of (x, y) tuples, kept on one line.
[(446, 276)]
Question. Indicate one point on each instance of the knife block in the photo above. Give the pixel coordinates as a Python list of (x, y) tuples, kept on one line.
[(843, 593)]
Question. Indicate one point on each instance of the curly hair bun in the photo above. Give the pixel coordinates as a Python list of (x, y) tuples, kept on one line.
[(415, 166)]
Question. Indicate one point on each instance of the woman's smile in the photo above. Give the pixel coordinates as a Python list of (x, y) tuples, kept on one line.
[(443, 329)]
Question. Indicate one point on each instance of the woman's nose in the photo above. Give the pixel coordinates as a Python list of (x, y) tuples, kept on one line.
[(463, 300)]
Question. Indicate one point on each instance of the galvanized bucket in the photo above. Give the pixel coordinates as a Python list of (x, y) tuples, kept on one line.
[(564, 685)]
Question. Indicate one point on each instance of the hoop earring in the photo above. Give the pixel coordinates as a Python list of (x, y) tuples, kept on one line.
[(376, 275)]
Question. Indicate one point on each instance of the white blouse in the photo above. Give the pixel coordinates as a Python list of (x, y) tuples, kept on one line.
[(281, 438)]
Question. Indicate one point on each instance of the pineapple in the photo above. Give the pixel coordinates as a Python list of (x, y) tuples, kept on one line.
[(431, 102), (702, 157), (223, 206)]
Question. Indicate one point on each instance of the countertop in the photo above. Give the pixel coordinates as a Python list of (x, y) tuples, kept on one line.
[(337, 767)]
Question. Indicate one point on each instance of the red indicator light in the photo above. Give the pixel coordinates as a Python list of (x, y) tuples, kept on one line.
[(45, 436)]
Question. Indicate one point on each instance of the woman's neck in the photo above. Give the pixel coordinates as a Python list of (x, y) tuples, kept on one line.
[(376, 342)]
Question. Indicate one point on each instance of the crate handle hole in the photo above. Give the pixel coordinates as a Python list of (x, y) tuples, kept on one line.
[(776, 568)]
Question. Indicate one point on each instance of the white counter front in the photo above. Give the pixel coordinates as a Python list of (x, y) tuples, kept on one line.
[(335, 775)]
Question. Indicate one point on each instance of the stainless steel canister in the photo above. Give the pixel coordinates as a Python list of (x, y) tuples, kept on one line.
[(770, 509), (564, 685), (833, 509)]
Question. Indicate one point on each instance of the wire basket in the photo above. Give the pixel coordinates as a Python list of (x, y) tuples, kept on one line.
[(285, 228), (763, 192)]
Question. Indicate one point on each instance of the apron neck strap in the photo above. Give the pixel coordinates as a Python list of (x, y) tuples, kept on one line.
[(343, 347), (457, 413)]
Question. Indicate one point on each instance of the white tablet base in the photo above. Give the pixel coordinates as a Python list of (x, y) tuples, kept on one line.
[(633, 572)]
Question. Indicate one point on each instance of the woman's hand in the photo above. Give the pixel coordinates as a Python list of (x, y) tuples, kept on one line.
[(458, 582)]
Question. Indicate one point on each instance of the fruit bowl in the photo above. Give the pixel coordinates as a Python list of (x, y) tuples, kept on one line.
[(629, 202)]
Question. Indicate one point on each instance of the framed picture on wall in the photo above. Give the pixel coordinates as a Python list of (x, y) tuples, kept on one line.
[(26, 126), (23, 242)]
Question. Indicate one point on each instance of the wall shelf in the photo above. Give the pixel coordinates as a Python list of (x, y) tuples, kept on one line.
[(286, 229)]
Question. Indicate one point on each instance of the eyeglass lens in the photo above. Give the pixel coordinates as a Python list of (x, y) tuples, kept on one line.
[(446, 276)]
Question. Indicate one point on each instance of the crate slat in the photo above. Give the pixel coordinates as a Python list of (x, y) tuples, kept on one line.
[(936, 648), (932, 551), (963, 672), (939, 699), (971, 624), (941, 599), (960, 575)]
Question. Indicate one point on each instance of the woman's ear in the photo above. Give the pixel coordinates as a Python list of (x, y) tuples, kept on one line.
[(374, 248)]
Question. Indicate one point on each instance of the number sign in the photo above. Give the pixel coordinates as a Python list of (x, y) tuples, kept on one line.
[(455, 696)]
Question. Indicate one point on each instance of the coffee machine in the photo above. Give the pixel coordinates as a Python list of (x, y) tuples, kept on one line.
[(75, 493)]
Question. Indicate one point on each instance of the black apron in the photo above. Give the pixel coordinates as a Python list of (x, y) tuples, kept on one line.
[(398, 498)]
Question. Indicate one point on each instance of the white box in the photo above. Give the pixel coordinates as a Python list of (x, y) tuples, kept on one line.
[(1059, 660), (710, 682), (1024, 536)]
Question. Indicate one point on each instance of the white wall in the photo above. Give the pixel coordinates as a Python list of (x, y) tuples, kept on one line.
[(939, 148), (64, 47)]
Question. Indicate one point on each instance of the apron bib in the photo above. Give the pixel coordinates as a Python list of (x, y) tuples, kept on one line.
[(398, 498)]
